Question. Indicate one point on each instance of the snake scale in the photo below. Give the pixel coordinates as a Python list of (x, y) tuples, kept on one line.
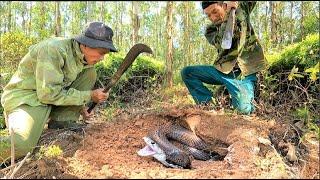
[(193, 145)]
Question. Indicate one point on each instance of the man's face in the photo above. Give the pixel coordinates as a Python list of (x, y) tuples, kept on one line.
[(215, 13), (93, 55)]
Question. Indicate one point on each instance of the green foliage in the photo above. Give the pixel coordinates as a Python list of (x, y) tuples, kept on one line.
[(4, 132), (292, 82), (4, 78), (2, 120), (301, 62), (144, 73), (14, 45), (302, 55), (311, 23), (308, 119), (302, 113), (111, 110), (314, 72), (49, 152), (4, 139), (294, 74), (314, 127)]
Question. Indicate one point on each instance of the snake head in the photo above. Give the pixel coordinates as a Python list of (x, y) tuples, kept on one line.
[(153, 149)]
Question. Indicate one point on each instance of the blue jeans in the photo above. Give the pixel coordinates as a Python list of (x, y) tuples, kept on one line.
[(241, 91)]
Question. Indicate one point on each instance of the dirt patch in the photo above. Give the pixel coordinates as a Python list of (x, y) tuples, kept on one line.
[(109, 149)]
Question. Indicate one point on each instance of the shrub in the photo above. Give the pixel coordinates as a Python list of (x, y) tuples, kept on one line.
[(302, 55), (14, 45), (292, 80), (50, 151), (145, 73)]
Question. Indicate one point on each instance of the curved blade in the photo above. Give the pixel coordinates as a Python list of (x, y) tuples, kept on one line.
[(128, 60), (228, 34)]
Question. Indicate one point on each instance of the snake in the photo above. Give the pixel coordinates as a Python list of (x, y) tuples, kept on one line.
[(160, 147)]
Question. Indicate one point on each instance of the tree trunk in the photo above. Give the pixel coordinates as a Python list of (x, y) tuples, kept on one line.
[(87, 11), (9, 17), (121, 7), (30, 19), (116, 33), (273, 5), (302, 19), (159, 33), (14, 15), (291, 23), (266, 19), (102, 11), (42, 14), (42, 21), (186, 37), (257, 15), (135, 22), (24, 19), (58, 19), (91, 10), (280, 25), (169, 62)]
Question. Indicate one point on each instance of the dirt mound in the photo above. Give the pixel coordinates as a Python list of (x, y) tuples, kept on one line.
[(109, 149)]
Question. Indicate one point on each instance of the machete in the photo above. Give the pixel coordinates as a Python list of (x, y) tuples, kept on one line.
[(128, 60), (228, 33)]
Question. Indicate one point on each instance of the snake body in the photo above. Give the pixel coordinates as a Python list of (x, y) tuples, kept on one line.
[(191, 142)]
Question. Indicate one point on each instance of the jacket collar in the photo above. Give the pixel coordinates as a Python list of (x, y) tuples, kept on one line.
[(78, 52)]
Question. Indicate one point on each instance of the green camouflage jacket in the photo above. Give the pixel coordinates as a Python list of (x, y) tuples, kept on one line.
[(43, 75), (246, 51)]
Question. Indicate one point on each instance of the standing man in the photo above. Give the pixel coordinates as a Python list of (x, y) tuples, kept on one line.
[(234, 68), (54, 80)]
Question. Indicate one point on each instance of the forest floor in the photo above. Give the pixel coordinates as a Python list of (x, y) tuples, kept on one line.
[(252, 147)]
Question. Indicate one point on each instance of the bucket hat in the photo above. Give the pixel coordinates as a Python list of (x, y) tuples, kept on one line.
[(97, 35)]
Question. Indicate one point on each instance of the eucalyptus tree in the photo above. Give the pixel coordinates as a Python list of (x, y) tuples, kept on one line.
[(57, 31), (135, 20), (169, 59)]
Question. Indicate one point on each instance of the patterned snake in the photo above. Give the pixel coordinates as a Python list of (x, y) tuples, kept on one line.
[(162, 149)]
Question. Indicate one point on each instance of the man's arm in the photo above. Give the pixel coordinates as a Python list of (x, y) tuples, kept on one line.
[(238, 45), (49, 80), (211, 30), (248, 6)]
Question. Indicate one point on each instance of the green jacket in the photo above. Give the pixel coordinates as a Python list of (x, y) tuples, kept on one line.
[(44, 74), (246, 51)]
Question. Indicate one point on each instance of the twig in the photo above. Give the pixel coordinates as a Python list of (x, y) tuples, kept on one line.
[(20, 165), (8, 168), (29, 172), (296, 130), (285, 134)]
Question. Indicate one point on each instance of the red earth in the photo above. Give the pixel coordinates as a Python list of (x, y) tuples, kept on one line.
[(251, 147)]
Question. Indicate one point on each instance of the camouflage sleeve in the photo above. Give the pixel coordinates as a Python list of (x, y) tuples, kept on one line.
[(243, 21), (238, 42), (248, 6), (49, 80), (209, 34)]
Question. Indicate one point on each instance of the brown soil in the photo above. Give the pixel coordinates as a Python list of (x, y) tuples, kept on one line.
[(109, 149)]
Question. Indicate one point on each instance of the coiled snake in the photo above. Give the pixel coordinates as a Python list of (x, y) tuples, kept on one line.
[(159, 146)]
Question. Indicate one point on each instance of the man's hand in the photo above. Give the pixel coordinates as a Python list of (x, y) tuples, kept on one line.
[(84, 113), (232, 4), (98, 95)]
